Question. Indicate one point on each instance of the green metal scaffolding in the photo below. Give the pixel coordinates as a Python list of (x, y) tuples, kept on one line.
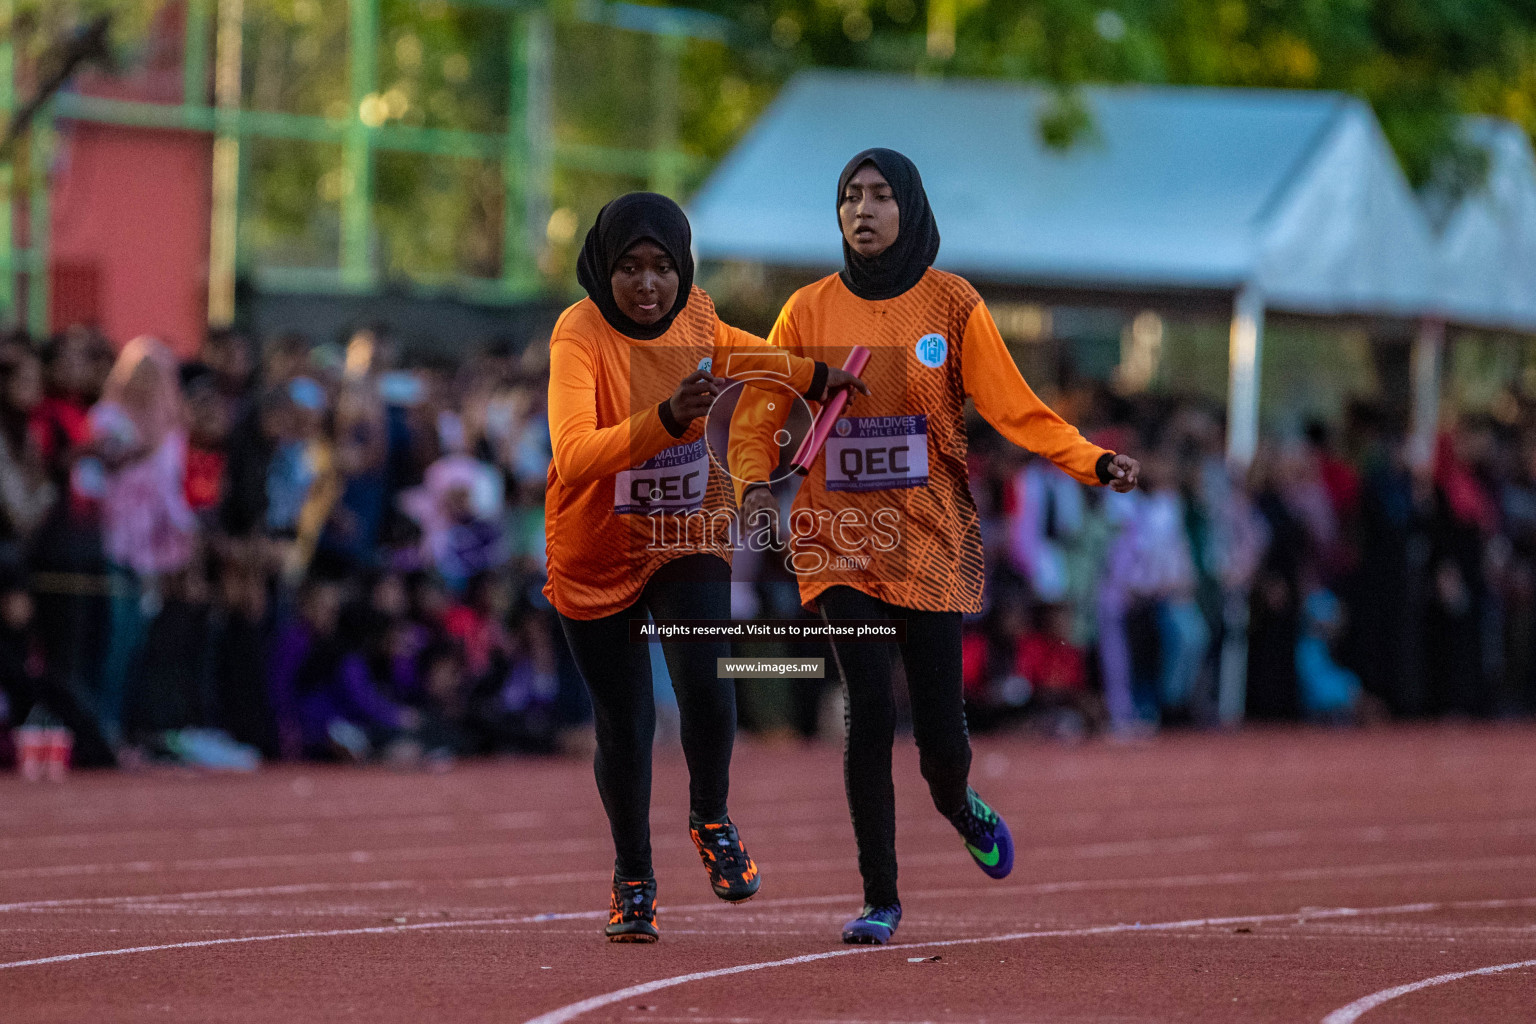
[(526, 151)]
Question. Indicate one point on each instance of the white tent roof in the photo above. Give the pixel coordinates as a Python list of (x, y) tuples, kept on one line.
[(1488, 245), (1296, 193)]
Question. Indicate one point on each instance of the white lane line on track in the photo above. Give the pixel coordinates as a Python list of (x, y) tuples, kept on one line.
[(330, 933), (400, 825), (518, 820), (508, 848), (301, 889), (501, 849), (694, 1019), (571, 1011), (1355, 1010), (1306, 913), (1031, 889)]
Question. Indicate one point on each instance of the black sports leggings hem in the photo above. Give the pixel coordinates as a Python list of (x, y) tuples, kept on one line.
[(931, 657), (618, 676)]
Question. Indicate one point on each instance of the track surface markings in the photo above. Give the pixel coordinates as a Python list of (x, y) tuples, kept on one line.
[(1306, 874), (1355, 1010), (573, 1010), (430, 889)]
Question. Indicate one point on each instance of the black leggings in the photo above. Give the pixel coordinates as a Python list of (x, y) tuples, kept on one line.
[(931, 656), (618, 675)]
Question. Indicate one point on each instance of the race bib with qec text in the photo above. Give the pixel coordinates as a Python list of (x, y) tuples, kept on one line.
[(673, 480), (877, 453)]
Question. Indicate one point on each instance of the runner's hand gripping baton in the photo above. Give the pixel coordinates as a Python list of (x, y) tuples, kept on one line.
[(821, 427)]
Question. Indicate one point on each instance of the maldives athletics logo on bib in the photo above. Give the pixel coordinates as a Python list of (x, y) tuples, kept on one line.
[(932, 350)]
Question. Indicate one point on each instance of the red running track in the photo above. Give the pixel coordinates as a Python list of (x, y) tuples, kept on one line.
[(1385, 876)]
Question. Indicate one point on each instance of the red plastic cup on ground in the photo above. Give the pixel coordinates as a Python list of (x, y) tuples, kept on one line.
[(31, 752), (60, 744)]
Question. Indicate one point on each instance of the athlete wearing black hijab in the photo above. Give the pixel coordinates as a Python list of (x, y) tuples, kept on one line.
[(632, 522), (623, 223), (933, 345), (903, 263)]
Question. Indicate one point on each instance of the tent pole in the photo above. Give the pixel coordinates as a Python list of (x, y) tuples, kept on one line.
[(1425, 362), (1244, 358)]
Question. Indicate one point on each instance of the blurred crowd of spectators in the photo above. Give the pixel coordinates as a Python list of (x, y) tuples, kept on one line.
[(1338, 580), (300, 551), (311, 551)]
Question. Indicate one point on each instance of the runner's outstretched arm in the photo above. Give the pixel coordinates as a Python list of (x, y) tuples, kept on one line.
[(1006, 401)]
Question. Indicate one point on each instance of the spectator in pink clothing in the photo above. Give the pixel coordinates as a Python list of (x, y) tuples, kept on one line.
[(139, 429), (139, 436)]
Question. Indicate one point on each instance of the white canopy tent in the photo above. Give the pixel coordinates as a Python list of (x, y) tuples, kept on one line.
[(1487, 246), (1273, 200), (1281, 200), (1486, 263)]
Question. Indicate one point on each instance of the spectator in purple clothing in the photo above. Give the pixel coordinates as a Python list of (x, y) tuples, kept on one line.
[(323, 691)]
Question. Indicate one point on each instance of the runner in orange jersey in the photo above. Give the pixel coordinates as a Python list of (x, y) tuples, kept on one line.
[(885, 525), (631, 380)]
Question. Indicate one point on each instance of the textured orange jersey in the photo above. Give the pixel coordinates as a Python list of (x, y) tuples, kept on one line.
[(887, 507), (625, 496)]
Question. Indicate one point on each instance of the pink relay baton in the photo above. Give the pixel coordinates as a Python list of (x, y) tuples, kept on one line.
[(821, 427)]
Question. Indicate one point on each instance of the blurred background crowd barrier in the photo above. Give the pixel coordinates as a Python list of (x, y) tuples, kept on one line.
[(278, 278)]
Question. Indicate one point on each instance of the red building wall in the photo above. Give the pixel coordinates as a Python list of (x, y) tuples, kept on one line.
[(131, 206), (130, 224)]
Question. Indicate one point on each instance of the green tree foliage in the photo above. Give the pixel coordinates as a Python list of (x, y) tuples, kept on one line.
[(1420, 63), (440, 65), (445, 64)]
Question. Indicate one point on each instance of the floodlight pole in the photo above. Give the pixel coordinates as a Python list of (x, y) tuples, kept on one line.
[(1244, 362)]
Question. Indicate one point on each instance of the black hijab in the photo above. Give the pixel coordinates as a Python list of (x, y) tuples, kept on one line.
[(631, 218), (917, 240)]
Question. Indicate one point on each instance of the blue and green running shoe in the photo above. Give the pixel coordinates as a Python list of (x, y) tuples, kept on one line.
[(874, 926), (986, 836)]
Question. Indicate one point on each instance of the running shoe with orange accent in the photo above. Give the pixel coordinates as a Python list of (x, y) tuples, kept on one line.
[(732, 872), (632, 913)]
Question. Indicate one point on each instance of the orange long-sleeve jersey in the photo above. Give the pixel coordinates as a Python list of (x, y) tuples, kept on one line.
[(886, 507), (626, 495)]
